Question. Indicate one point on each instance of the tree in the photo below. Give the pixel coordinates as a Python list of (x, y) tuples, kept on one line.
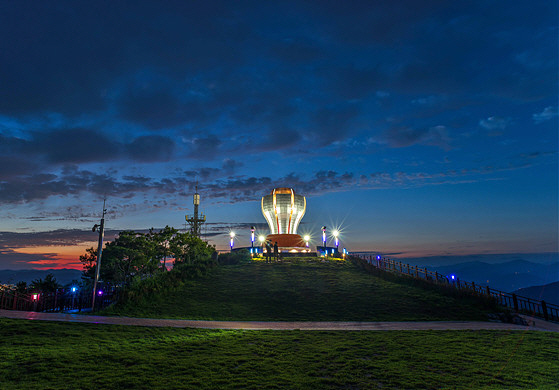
[(161, 241), (189, 249), (126, 256), (21, 287), (134, 254), (89, 262), (48, 285)]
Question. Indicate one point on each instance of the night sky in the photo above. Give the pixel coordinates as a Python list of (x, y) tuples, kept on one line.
[(418, 128)]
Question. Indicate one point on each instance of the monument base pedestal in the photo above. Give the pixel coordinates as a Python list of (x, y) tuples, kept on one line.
[(286, 240)]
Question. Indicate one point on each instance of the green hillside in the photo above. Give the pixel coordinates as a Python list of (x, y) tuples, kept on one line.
[(303, 290), (50, 355)]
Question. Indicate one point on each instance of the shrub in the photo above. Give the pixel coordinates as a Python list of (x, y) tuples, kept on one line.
[(142, 288), (233, 258)]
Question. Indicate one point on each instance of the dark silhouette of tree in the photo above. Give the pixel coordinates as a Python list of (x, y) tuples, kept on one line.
[(21, 287), (189, 249), (89, 261), (49, 284), (137, 255)]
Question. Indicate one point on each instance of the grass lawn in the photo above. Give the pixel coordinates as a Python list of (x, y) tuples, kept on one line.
[(336, 291), (50, 355)]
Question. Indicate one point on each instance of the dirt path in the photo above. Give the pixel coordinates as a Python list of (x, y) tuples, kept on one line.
[(279, 325)]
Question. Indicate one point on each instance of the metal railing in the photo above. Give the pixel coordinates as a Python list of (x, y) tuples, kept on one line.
[(548, 311), (58, 301)]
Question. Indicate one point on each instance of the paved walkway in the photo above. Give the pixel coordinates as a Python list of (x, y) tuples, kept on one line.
[(279, 325)]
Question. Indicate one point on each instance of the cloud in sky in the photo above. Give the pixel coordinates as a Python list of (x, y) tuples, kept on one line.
[(221, 183), (403, 136), (60, 237), (10, 259), (495, 123), (548, 113), (137, 103)]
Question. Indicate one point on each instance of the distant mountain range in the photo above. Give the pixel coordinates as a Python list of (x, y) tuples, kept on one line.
[(63, 276), (439, 261), (548, 292), (508, 276)]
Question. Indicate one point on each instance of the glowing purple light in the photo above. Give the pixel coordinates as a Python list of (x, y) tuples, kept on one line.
[(378, 257), (452, 277), (100, 292)]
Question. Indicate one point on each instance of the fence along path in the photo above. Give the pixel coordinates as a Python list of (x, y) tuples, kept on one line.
[(60, 300), (548, 311)]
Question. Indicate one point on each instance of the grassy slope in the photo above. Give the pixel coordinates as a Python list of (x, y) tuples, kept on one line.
[(302, 291), (88, 356)]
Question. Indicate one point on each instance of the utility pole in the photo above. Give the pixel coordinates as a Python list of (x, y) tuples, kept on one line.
[(195, 221), (101, 227)]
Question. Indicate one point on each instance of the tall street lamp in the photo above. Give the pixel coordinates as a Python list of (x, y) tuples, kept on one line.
[(232, 235), (336, 233), (101, 227)]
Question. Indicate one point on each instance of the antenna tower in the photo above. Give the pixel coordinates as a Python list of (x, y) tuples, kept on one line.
[(196, 220)]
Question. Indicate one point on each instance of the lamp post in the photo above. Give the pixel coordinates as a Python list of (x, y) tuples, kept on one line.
[(307, 239), (35, 298), (324, 240), (101, 227), (252, 229), (73, 289), (336, 233), (232, 235)]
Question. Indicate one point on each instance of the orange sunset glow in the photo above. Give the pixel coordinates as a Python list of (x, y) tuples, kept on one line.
[(57, 257)]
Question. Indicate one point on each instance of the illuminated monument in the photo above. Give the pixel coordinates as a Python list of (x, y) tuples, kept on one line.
[(283, 210)]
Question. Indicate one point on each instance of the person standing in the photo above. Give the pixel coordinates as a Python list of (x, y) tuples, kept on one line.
[(268, 252), (276, 252)]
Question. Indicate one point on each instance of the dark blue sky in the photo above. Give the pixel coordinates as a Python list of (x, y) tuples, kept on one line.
[(421, 127)]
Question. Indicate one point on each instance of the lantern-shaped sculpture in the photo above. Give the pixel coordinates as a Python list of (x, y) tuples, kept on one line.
[(283, 210)]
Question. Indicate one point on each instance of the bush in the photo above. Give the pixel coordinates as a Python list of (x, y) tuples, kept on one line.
[(142, 288), (233, 258)]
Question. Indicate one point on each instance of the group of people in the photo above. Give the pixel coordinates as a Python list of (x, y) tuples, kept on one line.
[(271, 256)]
